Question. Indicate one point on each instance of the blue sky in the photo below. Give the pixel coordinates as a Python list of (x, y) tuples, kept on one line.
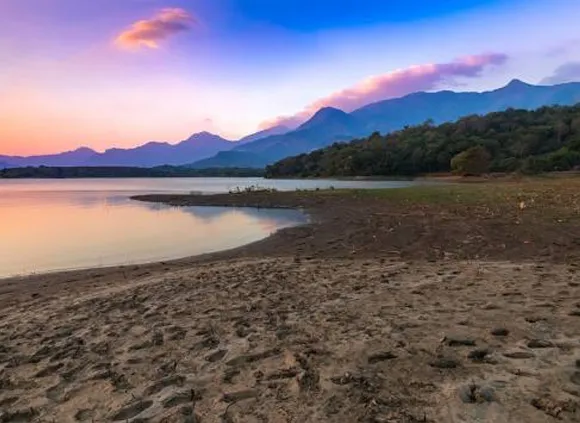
[(123, 72)]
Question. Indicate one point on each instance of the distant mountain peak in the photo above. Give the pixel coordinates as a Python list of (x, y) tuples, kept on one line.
[(204, 136), (329, 111), (518, 83), (325, 115), (84, 149)]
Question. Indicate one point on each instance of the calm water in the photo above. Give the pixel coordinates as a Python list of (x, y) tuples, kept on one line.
[(49, 225)]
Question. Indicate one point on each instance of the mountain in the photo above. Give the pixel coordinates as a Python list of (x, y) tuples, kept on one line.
[(326, 126), (446, 106), (69, 158), (196, 147), (4, 165), (275, 130), (231, 159), (329, 125)]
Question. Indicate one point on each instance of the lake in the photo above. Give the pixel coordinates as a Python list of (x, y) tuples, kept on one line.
[(49, 225)]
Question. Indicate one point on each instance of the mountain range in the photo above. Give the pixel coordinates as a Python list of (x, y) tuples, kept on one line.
[(327, 126), (330, 125), (198, 146)]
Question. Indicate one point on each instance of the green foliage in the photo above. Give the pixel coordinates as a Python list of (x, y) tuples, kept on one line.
[(542, 140), (474, 161), (45, 172)]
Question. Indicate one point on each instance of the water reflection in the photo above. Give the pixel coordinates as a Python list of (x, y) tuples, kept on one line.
[(46, 231)]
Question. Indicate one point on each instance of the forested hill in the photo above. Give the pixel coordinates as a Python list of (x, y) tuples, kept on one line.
[(545, 139)]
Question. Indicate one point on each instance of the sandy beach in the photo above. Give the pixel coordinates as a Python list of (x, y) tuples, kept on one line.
[(430, 304)]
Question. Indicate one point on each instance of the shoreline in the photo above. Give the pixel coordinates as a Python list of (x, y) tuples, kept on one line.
[(325, 209), (426, 304)]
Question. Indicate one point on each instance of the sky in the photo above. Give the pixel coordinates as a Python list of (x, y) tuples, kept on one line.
[(119, 73)]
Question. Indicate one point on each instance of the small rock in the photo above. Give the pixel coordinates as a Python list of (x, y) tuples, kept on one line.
[(520, 355), (382, 356), (459, 341), (466, 394), (309, 379), (239, 395), (243, 331), (500, 332), (83, 415), (26, 415), (540, 343), (575, 378), (230, 374), (478, 354), (575, 313), (216, 356), (283, 374), (486, 394), (444, 363), (548, 406), (473, 393)]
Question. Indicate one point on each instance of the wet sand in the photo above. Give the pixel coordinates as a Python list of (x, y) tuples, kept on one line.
[(386, 308)]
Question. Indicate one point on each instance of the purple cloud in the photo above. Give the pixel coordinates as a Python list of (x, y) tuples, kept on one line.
[(148, 33), (568, 72)]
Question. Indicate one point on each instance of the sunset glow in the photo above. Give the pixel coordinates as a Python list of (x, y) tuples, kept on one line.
[(121, 73)]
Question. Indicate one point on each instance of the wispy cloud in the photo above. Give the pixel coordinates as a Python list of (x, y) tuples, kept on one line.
[(395, 84), (150, 32), (568, 72)]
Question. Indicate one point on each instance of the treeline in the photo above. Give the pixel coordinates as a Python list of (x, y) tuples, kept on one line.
[(46, 172), (546, 139)]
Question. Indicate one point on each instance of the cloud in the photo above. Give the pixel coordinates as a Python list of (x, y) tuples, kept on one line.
[(568, 72), (395, 84), (149, 32)]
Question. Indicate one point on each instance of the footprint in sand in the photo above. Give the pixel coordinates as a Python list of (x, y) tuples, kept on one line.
[(131, 410)]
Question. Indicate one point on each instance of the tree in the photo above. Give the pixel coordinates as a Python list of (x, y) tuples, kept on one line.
[(473, 161)]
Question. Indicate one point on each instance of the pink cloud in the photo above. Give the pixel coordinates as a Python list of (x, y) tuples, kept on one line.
[(394, 84), (148, 33)]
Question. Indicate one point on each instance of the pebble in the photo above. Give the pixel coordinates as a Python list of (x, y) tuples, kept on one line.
[(444, 363), (500, 332), (474, 393), (459, 341), (478, 354), (520, 355), (382, 356), (540, 343), (239, 396)]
